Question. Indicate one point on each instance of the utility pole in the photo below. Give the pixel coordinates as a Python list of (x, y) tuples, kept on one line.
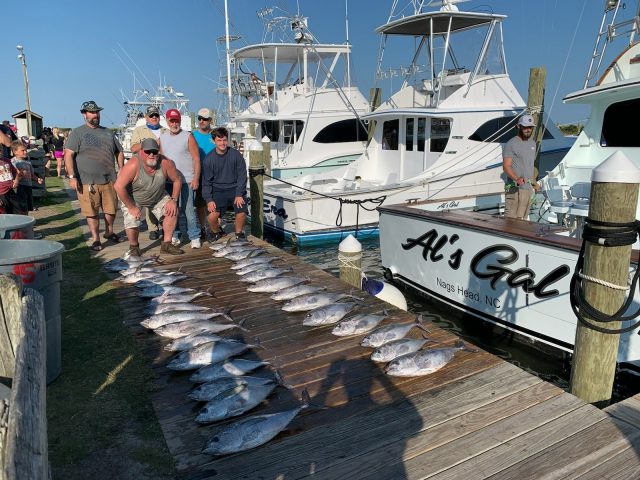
[(25, 76)]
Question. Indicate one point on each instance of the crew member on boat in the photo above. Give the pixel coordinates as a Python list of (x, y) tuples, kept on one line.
[(518, 157)]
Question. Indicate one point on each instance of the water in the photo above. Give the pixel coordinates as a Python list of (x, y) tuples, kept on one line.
[(545, 362)]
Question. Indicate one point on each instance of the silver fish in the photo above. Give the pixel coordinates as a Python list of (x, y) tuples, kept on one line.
[(140, 269), (146, 275), (229, 243), (160, 280), (263, 273), (424, 362), (138, 259), (234, 367), (251, 432), (234, 402), (192, 340), (270, 285), (261, 260), (298, 290), (157, 321), (177, 298), (206, 354), (358, 324), (174, 307), (206, 392), (157, 290), (328, 314), (313, 301), (182, 329), (223, 252), (240, 255), (397, 348), (389, 333)]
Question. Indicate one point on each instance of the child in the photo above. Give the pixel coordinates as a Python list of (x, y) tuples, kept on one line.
[(20, 161), (9, 179)]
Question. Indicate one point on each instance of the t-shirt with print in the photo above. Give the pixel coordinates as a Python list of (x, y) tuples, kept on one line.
[(7, 174), (25, 166), (96, 150), (523, 156)]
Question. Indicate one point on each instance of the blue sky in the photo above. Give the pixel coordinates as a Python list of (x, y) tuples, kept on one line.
[(77, 50)]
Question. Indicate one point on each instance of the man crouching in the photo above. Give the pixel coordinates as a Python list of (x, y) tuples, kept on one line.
[(141, 183)]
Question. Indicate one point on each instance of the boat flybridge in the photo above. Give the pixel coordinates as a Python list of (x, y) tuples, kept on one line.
[(436, 139), (299, 96), (516, 273)]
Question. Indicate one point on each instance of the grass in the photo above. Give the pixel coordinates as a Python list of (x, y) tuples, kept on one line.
[(99, 407)]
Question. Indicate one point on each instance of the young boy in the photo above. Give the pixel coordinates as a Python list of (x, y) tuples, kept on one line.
[(9, 179), (22, 164)]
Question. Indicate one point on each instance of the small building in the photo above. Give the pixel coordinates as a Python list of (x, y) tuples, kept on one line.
[(20, 119)]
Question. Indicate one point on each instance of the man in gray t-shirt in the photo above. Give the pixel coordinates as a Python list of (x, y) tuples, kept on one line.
[(518, 158), (90, 154)]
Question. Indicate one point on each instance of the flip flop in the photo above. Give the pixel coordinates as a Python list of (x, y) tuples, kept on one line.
[(113, 237), (96, 246)]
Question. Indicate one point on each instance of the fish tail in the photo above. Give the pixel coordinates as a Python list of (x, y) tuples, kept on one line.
[(420, 325)]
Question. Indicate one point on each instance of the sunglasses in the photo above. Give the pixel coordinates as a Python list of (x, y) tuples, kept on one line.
[(204, 118), (154, 115), (151, 152)]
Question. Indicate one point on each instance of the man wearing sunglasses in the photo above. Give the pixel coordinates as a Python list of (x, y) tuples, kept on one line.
[(518, 157), (141, 183), (205, 144), (151, 129)]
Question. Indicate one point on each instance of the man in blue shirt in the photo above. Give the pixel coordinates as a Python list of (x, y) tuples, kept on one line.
[(205, 145), (224, 184)]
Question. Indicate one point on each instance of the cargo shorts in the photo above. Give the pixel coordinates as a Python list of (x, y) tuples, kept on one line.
[(158, 211)]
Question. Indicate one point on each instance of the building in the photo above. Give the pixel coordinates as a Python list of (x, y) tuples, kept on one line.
[(20, 119)]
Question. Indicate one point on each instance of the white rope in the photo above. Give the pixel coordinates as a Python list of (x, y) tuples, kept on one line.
[(602, 282), (347, 262)]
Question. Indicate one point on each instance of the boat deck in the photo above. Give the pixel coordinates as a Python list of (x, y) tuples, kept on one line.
[(478, 417)]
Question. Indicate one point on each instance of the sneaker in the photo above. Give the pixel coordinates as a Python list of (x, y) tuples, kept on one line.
[(134, 251), (175, 242), (214, 237), (195, 243), (240, 236), (170, 248)]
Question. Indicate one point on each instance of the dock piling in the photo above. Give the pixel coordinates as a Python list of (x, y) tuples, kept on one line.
[(256, 169), (350, 258)]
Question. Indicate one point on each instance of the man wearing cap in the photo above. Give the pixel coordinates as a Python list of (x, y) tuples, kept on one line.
[(89, 157), (180, 146), (205, 144), (151, 129), (518, 157), (141, 183)]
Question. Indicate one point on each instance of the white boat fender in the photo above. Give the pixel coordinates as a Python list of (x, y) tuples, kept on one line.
[(385, 291)]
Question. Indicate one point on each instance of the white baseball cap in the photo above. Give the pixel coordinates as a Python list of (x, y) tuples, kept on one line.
[(205, 113), (526, 121)]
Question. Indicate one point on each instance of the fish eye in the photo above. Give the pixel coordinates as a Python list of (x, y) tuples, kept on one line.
[(215, 439)]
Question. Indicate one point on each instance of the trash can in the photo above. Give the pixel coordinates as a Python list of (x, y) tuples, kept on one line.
[(38, 264), (16, 226)]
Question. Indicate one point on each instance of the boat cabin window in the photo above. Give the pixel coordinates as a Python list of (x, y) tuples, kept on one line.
[(422, 128), (409, 134), (390, 130), (500, 130), (287, 131), (271, 129), (342, 132), (440, 132), (617, 130)]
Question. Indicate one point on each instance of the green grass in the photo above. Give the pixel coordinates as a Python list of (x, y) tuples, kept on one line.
[(102, 394)]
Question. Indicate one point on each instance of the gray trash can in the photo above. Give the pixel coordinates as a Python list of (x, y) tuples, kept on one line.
[(16, 226), (38, 264)]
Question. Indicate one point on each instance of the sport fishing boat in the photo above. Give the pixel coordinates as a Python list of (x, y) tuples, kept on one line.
[(516, 273), (437, 139)]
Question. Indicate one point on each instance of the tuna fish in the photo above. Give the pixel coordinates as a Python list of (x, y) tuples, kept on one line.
[(166, 298), (397, 348), (358, 324), (146, 275), (297, 291), (270, 285), (233, 367), (227, 250), (192, 340), (242, 254), (206, 354), (251, 432), (263, 274), (389, 333), (234, 402), (229, 243), (313, 301), (328, 315), (424, 362), (174, 307), (140, 269), (120, 264), (182, 329), (157, 290), (156, 321), (261, 260), (160, 280), (210, 390)]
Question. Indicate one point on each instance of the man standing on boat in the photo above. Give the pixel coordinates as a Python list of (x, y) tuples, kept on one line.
[(518, 157), (205, 144), (224, 184)]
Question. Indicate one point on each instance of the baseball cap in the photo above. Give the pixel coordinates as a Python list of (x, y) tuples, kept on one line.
[(526, 121), (150, 144), (173, 114), (151, 109), (205, 112), (90, 106)]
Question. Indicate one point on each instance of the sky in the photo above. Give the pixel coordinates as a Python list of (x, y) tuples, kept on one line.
[(79, 50)]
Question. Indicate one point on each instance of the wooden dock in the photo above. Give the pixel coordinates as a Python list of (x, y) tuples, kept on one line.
[(478, 417)]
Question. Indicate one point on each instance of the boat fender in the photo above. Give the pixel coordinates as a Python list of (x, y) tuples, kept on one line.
[(385, 291)]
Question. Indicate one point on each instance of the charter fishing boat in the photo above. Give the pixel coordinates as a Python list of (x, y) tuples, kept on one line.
[(298, 94), (515, 273), (437, 139)]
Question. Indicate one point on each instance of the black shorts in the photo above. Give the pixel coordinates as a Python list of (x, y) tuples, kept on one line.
[(224, 200), (9, 203), (25, 198)]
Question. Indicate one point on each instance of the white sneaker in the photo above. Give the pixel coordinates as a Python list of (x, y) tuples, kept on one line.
[(175, 242), (195, 243)]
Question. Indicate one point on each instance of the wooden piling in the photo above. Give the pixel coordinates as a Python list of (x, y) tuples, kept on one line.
[(535, 104), (257, 190), (266, 154), (594, 360), (350, 257), (375, 97)]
